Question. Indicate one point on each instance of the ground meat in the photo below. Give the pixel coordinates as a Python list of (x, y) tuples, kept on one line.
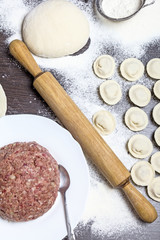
[(29, 181)]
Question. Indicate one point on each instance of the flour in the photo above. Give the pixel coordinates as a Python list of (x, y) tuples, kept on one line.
[(106, 210), (119, 8)]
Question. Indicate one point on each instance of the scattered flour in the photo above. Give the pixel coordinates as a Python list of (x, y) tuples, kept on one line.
[(106, 208)]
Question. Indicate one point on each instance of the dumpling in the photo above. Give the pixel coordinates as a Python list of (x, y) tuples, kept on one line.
[(104, 122), (110, 92)]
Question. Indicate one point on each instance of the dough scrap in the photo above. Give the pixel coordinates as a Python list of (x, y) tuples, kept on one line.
[(3, 102), (142, 173), (139, 95), (140, 146), (136, 119), (132, 69), (153, 68), (155, 161), (104, 122), (110, 92), (157, 136), (104, 66), (55, 28), (156, 89), (156, 113), (153, 189)]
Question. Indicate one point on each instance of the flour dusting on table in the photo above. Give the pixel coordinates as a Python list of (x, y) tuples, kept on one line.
[(107, 210)]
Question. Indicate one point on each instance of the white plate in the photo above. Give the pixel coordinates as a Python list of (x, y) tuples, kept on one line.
[(60, 143)]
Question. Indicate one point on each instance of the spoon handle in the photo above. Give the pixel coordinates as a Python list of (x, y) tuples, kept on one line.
[(70, 232)]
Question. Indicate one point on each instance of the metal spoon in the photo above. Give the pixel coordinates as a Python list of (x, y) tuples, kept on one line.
[(64, 185)]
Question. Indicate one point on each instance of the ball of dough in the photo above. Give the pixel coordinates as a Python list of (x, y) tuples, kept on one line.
[(132, 69), (104, 66), (156, 89), (3, 102), (110, 92), (156, 113), (136, 119), (153, 68), (140, 95), (155, 161), (153, 189), (55, 28), (142, 173), (140, 146), (157, 136), (104, 122)]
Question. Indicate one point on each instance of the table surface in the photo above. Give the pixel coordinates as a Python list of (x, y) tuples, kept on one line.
[(23, 98)]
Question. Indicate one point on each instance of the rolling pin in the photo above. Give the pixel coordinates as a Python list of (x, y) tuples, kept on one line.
[(83, 131)]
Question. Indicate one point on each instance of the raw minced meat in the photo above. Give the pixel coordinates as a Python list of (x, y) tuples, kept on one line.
[(29, 181)]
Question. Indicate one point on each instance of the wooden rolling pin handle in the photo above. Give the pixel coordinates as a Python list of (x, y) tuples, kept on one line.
[(82, 130), (144, 208), (20, 52)]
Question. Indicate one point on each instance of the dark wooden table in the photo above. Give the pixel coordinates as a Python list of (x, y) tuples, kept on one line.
[(22, 98)]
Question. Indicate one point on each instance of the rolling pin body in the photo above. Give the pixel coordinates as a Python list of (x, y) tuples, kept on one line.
[(83, 131)]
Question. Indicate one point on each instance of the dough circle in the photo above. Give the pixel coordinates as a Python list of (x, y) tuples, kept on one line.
[(139, 95), (140, 146), (136, 119), (142, 173), (132, 69), (104, 66), (156, 89), (153, 189), (155, 161), (55, 28), (156, 113), (110, 92), (3, 102), (153, 68), (104, 122), (157, 136)]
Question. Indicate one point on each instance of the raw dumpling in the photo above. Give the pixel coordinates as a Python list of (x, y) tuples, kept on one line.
[(142, 173), (155, 161), (55, 29), (110, 92), (153, 68), (104, 66), (3, 102), (157, 136), (136, 119), (140, 95), (156, 113), (132, 69), (156, 89), (153, 189), (140, 146), (104, 122)]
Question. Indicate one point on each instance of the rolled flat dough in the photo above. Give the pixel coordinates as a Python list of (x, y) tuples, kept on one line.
[(139, 95), (104, 66), (136, 119), (110, 92), (153, 189), (153, 68), (140, 146), (132, 69), (155, 161), (156, 89), (142, 173), (157, 136), (104, 122), (156, 113), (55, 28), (3, 102)]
